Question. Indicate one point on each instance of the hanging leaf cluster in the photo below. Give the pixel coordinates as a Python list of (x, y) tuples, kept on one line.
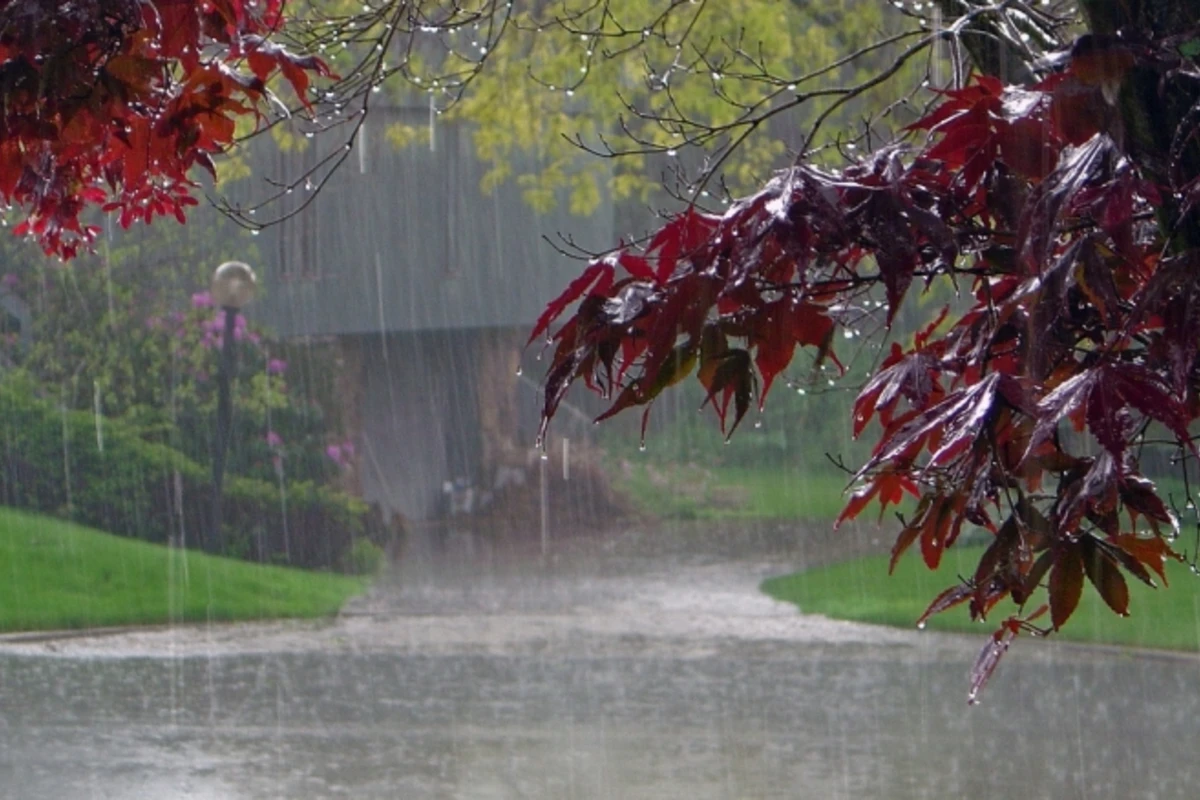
[(1073, 244), (111, 103)]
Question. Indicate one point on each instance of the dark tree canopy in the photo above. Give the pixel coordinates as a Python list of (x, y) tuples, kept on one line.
[(1062, 211)]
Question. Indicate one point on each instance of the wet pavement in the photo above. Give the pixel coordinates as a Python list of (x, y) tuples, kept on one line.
[(637, 665)]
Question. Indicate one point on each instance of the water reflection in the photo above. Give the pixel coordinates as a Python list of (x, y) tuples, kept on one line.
[(512, 687)]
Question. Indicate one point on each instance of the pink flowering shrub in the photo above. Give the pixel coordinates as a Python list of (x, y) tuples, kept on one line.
[(123, 334)]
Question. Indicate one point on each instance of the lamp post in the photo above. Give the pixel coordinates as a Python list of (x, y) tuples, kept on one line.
[(233, 286)]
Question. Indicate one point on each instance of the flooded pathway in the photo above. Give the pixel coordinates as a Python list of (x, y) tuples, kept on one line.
[(635, 666)]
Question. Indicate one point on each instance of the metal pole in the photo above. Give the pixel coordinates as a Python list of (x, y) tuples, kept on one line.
[(216, 541)]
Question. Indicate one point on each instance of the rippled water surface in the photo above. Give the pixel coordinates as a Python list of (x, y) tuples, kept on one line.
[(617, 670)]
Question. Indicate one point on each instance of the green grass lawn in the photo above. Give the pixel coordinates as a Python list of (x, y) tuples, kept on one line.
[(861, 590), (694, 492), (55, 574)]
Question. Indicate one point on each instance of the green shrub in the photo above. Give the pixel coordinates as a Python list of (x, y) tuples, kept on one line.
[(107, 476), (364, 558)]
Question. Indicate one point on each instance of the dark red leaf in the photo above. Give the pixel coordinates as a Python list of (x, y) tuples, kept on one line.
[(1091, 493), (597, 277), (888, 486), (907, 536), (1028, 147), (937, 532), (1139, 496), (1131, 564), (1040, 223), (1105, 393), (1006, 540), (636, 266), (957, 422), (1066, 584), (961, 141), (988, 659), (728, 376), (1153, 551), (949, 598), (682, 237), (1033, 578), (1104, 574), (912, 376), (985, 93), (774, 343), (1079, 111)]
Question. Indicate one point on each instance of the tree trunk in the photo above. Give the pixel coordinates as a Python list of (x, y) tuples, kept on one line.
[(990, 51), (1153, 103), (1145, 17)]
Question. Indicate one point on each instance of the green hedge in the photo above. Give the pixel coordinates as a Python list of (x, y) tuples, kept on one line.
[(51, 460)]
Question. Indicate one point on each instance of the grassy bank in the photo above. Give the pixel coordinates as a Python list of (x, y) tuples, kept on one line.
[(55, 574), (689, 491), (861, 590)]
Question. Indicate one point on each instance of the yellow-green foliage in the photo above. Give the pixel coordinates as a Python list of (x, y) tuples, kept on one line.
[(546, 84)]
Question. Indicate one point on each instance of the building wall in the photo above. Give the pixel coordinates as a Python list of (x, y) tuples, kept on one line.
[(430, 285), (406, 240), (437, 408)]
